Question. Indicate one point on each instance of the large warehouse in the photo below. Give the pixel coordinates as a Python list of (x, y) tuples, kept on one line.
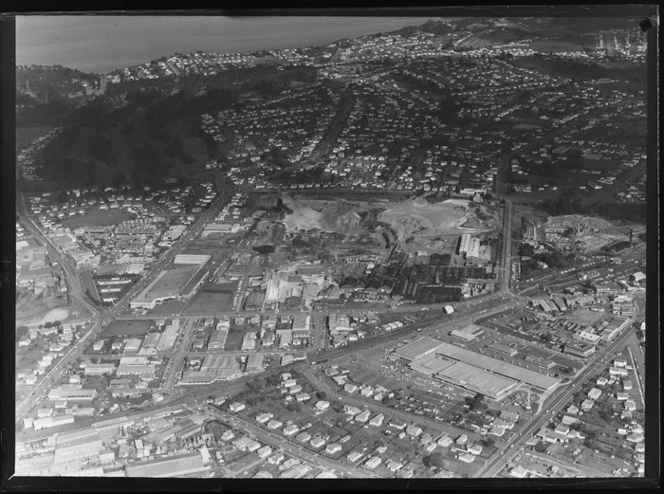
[(473, 371), (191, 258), (175, 466), (478, 380), (166, 286), (419, 348), (505, 369), (431, 364)]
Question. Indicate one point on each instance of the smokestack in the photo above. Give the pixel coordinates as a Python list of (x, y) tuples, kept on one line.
[(631, 238)]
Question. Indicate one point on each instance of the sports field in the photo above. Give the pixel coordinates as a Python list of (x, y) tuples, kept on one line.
[(96, 217)]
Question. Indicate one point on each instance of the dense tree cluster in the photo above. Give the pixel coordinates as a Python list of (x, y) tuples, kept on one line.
[(569, 203), (52, 82), (476, 402)]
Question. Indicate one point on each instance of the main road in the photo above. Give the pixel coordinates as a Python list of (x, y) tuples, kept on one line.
[(506, 252)]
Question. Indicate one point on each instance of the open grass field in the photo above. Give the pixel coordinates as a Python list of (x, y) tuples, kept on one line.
[(96, 217), (584, 317), (127, 328), (211, 302), (31, 309), (168, 307)]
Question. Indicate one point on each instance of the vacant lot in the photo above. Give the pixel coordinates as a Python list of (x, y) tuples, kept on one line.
[(126, 328), (167, 308), (371, 378), (209, 303), (212, 299), (584, 317), (418, 217), (234, 340), (32, 309)]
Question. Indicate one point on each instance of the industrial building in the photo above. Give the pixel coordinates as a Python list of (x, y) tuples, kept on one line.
[(134, 366), (168, 337), (48, 422), (174, 466), (614, 327), (504, 350), (469, 245), (468, 333), (218, 362), (505, 369), (191, 259), (151, 340), (166, 286), (99, 369), (198, 377), (470, 370), (62, 394), (431, 364), (132, 345), (218, 339), (580, 349), (301, 322), (220, 228), (418, 348), (477, 380), (255, 362)]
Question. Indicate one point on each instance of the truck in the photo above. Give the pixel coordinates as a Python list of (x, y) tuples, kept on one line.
[(448, 309)]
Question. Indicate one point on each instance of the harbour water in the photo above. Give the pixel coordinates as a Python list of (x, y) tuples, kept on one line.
[(104, 43)]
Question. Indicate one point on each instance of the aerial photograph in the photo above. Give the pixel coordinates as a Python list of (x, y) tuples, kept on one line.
[(342, 247)]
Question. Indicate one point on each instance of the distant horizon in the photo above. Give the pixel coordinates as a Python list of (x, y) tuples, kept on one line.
[(102, 44)]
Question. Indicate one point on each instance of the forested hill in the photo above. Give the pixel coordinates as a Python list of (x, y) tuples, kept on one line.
[(150, 131), (53, 82), (61, 96)]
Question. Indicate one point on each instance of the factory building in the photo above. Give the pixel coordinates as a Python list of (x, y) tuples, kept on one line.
[(62, 394), (166, 286), (191, 259), (174, 466)]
